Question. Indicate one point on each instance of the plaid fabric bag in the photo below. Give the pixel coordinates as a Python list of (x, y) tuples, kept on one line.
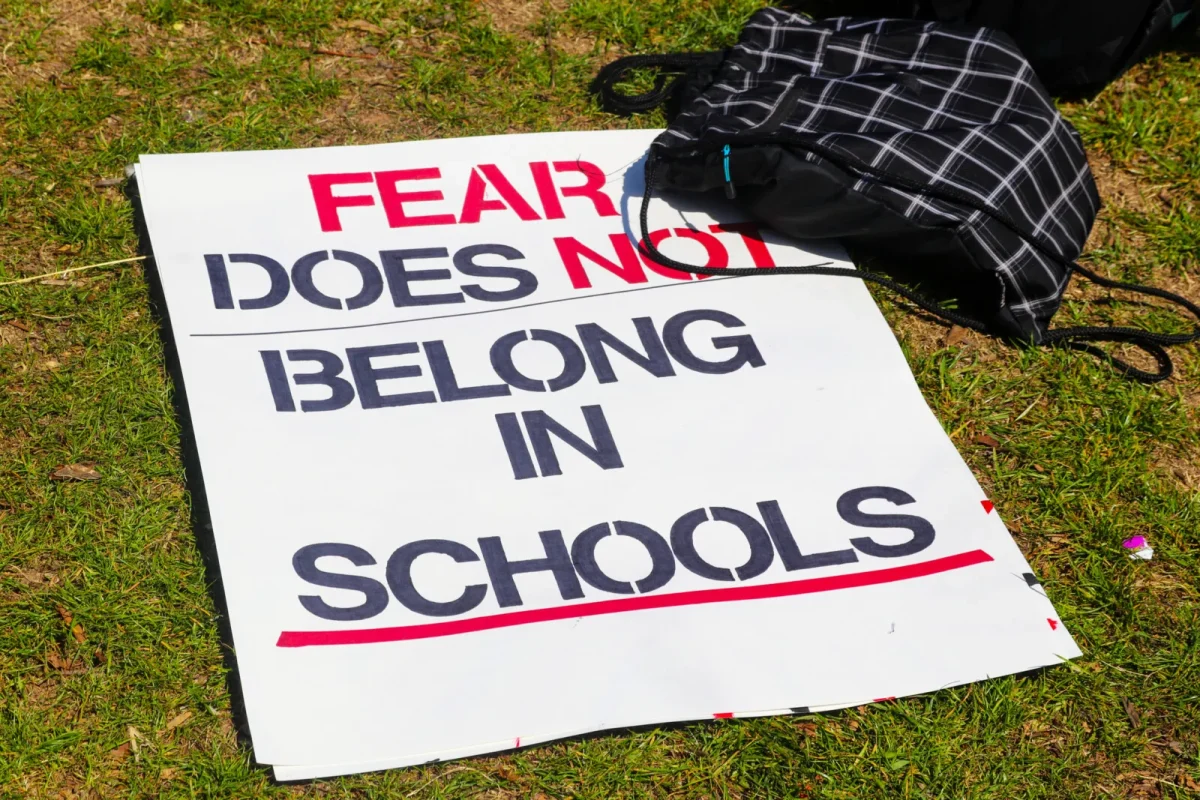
[(930, 151)]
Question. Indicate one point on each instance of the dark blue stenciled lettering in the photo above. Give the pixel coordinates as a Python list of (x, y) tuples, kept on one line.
[(222, 292), (683, 542), (654, 360), (662, 561), (598, 345), (465, 262), (557, 561), (302, 279), (375, 596), (573, 567), (399, 577), (367, 376), (745, 351), (922, 532)]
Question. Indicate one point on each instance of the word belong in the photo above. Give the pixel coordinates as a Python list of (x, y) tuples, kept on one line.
[(658, 352)]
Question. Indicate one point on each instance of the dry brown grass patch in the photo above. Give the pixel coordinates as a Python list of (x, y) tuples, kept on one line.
[(519, 16)]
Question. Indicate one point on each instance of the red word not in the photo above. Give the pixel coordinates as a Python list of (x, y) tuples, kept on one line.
[(632, 261)]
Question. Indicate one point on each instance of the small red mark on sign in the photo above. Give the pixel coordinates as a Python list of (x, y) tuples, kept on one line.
[(988, 505), (518, 742), (723, 715), (883, 699), (1053, 623)]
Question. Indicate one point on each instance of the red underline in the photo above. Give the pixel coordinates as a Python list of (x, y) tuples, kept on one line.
[(640, 603)]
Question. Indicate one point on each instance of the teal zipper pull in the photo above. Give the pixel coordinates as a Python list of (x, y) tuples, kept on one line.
[(730, 191)]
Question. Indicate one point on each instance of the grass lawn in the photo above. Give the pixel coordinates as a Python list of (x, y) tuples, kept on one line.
[(111, 676)]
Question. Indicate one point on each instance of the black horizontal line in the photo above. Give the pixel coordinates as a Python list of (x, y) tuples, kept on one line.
[(470, 313)]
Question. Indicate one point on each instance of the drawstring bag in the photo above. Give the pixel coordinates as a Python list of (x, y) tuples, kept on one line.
[(930, 151)]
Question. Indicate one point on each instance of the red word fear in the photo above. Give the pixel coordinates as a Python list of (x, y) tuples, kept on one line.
[(408, 196)]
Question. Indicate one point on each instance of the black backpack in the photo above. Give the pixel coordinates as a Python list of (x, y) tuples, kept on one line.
[(1076, 47), (930, 151)]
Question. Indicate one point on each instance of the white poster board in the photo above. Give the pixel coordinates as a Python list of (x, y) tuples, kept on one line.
[(481, 477)]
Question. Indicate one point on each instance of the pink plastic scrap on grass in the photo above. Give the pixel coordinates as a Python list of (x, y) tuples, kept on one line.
[(1139, 548)]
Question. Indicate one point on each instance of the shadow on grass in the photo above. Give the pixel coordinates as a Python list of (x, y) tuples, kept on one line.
[(193, 478)]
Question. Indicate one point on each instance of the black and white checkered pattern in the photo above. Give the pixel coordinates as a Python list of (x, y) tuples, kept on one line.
[(952, 108)]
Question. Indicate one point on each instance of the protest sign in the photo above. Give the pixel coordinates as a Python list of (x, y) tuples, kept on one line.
[(481, 476)]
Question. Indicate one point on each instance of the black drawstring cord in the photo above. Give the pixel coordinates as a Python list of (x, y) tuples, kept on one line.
[(1075, 338), (1078, 338), (615, 102), (1148, 341), (604, 86), (926, 303)]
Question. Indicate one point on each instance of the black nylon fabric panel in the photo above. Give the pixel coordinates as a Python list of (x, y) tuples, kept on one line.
[(930, 258)]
